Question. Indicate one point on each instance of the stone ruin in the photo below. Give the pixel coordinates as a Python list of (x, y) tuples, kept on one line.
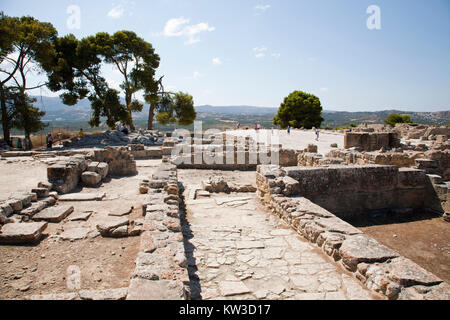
[(287, 192), (310, 192)]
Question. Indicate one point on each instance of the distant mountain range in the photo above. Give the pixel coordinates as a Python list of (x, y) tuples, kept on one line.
[(57, 111)]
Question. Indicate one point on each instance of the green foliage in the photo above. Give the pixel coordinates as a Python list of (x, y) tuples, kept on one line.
[(135, 59), (352, 125), (395, 118), (298, 110), (26, 46), (176, 108), (26, 117), (77, 72)]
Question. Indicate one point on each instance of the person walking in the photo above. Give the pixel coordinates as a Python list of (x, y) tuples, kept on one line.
[(317, 134), (81, 133), (289, 130), (49, 141)]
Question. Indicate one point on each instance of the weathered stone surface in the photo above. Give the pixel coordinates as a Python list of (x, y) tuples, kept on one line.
[(54, 214), (233, 288), (21, 233), (75, 234), (361, 248), (109, 294), (142, 289), (121, 211), (337, 225), (108, 225), (81, 216), (101, 168), (41, 192), (250, 244), (82, 197), (91, 179), (120, 232), (55, 297), (407, 273)]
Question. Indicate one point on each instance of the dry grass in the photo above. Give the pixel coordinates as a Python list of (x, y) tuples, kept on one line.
[(38, 141)]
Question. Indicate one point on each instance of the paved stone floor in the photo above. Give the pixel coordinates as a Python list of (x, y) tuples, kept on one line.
[(239, 251), (297, 139)]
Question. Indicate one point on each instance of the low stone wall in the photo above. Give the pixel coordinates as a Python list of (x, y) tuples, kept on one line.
[(65, 174), (139, 151), (119, 159), (371, 141), (378, 267), (161, 265), (232, 157), (348, 190)]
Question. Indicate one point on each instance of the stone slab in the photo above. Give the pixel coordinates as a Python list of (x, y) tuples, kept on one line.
[(81, 216), (22, 233), (105, 295), (75, 234), (141, 289), (109, 224), (233, 288), (121, 211), (83, 197), (361, 248), (54, 214), (407, 273)]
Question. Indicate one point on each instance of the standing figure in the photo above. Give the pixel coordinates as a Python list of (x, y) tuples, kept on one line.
[(49, 141), (317, 134), (19, 143), (289, 129)]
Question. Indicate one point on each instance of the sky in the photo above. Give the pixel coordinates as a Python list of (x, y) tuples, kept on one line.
[(355, 55)]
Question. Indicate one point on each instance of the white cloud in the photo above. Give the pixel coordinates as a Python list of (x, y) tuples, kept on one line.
[(217, 61), (324, 89), (116, 12), (125, 6), (260, 52), (179, 27), (261, 8), (196, 75), (276, 55)]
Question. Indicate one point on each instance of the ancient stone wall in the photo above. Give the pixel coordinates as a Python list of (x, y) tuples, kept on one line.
[(119, 159), (347, 190), (161, 265), (378, 267), (371, 141)]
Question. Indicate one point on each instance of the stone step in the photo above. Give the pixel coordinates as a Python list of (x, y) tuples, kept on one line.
[(22, 233), (54, 214)]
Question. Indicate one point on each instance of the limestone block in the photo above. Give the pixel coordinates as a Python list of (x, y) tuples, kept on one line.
[(22, 233), (91, 179)]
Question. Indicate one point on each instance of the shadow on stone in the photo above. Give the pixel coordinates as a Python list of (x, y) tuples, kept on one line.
[(194, 285)]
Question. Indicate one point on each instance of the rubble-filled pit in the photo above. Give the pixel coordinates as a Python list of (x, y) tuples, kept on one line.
[(423, 237), (105, 263)]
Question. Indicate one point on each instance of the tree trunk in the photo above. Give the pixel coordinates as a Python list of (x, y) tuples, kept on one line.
[(151, 116), (128, 98), (5, 117)]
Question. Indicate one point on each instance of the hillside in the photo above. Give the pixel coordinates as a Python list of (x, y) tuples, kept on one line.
[(57, 111)]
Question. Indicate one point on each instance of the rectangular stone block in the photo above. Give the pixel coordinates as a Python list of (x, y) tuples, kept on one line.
[(22, 233), (54, 214)]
